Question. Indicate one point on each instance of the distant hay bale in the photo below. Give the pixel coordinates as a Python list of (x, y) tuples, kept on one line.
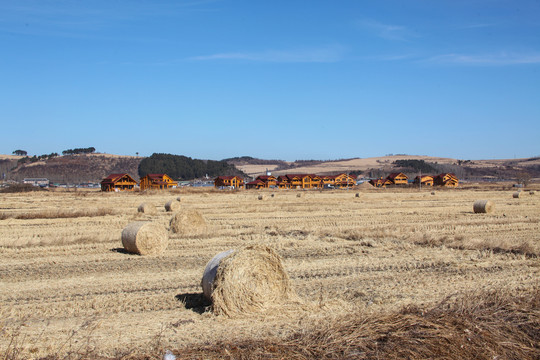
[(146, 208), (261, 197), (179, 199), (172, 205), (187, 221), (298, 195), (357, 195), (433, 193), (483, 206), (531, 192), (145, 238), (248, 280), (516, 195), (272, 195)]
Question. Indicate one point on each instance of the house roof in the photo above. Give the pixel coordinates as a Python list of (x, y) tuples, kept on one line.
[(112, 178), (394, 175), (225, 177), (255, 182)]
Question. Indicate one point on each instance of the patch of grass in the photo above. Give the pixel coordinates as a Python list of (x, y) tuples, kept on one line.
[(18, 188), (486, 325), (58, 214)]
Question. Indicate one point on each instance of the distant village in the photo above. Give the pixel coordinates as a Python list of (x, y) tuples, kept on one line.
[(124, 182)]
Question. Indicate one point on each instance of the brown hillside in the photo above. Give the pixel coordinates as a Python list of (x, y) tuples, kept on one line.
[(77, 168)]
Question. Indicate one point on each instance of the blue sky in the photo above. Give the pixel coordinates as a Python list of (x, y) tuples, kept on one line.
[(272, 79)]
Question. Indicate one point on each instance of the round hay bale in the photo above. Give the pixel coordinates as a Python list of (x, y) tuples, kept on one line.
[(248, 280), (516, 195), (145, 238), (433, 193), (187, 221), (146, 208), (298, 195), (260, 197), (172, 205), (272, 195), (531, 192), (483, 206), (357, 195), (179, 199)]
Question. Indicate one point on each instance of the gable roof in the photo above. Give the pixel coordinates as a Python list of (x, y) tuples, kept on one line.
[(396, 174), (112, 178)]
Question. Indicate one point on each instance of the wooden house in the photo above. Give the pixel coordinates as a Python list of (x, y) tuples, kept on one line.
[(269, 181), (425, 180), (344, 180), (118, 182), (283, 182), (398, 178), (256, 184), (157, 181), (446, 179), (235, 182), (380, 182)]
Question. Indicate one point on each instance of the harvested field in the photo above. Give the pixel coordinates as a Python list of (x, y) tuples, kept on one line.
[(68, 287)]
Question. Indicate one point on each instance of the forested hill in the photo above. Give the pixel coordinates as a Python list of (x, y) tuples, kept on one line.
[(185, 168)]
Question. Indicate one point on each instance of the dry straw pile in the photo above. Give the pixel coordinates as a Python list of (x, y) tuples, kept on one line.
[(248, 280), (516, 195), (187, 222), (172, 205), (483, 206), (147, 209), (145, 238)]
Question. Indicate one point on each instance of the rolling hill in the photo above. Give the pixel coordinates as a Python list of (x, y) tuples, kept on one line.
[(94, 167)]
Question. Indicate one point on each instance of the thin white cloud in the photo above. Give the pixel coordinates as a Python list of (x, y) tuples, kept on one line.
[(487, 59), (386, 31), (312, 55)]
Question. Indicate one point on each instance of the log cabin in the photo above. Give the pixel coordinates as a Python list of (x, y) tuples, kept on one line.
[(344, 180), (118, 182), (157, 181), (398, 179), (425, 180), (380, 182), (256, 184), (446, 179), (269, 181), (234, 182)]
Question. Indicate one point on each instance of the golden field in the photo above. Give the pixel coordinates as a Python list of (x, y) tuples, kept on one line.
[(67, 286)]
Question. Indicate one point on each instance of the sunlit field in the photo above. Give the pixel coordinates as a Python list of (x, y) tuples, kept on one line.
[(68, 288)]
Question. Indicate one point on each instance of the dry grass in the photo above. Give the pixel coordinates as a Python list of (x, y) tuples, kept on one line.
[(58, 214), (69, 289), (483, 325)]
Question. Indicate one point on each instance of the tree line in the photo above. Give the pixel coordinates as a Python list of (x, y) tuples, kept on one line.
[(181, 167), (88, 150)]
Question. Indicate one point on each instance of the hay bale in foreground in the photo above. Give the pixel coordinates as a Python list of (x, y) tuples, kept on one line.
[(483, 206), (172, 205), (146, 208), (145, 238), (187, 221), (248, 280)]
